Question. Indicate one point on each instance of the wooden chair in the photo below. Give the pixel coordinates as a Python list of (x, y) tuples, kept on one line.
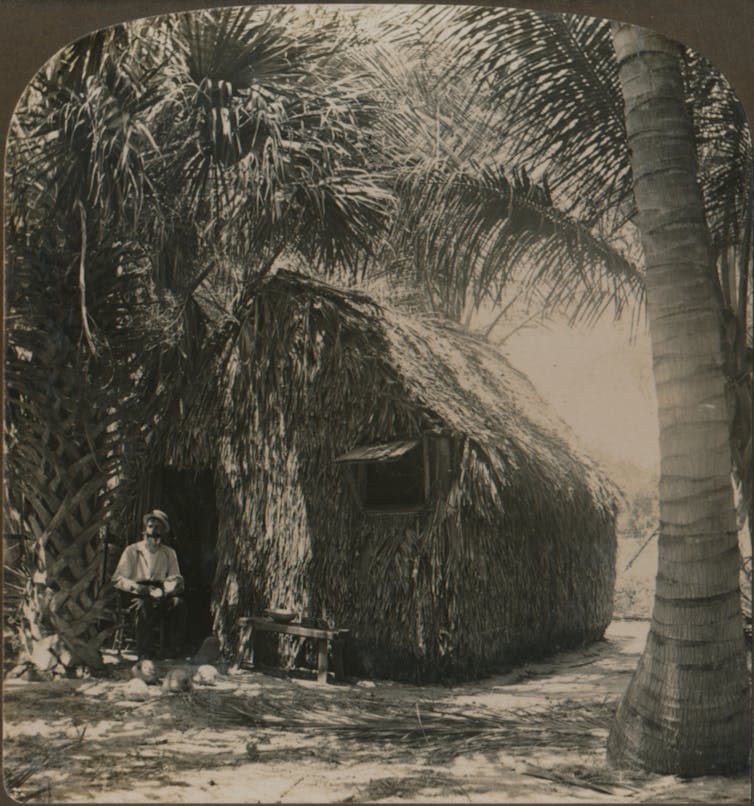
[(124, 636)]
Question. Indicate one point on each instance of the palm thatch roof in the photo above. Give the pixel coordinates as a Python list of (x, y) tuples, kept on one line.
[(515, 555), (460, 380), (474, 389)]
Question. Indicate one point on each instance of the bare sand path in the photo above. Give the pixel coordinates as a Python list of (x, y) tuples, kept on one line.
[(536, 734)]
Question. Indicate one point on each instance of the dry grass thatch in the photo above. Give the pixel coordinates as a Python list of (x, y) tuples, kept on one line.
[(514, 558)]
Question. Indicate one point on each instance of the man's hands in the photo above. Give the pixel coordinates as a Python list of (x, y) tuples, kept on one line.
[(168, 588), (143, 590)]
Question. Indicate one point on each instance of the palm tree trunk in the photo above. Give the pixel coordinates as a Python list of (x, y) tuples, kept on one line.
[(60, 455), (686, 710)]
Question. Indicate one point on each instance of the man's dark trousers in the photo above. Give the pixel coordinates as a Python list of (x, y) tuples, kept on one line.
[(147, 609)]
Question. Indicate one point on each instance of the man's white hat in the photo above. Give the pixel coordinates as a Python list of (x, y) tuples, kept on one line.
[(160, 516)]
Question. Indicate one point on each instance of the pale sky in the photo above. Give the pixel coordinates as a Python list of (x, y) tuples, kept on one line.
[(600, 382)]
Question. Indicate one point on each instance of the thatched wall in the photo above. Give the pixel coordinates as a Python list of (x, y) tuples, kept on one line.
[(516, 559)]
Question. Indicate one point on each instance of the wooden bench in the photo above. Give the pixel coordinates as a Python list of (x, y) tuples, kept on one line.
[(251, 625)]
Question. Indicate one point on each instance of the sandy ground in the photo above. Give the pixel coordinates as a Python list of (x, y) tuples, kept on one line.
[(536, 735)]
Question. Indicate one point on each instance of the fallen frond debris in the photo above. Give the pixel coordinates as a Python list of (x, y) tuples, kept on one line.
[(441, 733), (430, 732), (22, 774), (579, 776)]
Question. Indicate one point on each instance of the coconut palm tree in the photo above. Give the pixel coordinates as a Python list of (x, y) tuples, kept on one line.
[(687, 709)]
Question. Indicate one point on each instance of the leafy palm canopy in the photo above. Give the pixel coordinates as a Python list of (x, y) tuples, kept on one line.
[(189, 153), (156, 155), (472, 220), (561, 69), (197, 148)]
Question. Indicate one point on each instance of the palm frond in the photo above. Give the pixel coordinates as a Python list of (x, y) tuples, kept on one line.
[(553, 78), (472, 233), (269, 138), (724, 150)]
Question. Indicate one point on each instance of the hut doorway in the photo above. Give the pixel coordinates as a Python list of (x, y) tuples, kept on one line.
[(188, 498)]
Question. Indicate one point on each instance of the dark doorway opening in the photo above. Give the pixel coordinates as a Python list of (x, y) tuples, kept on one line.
[(188, 498)]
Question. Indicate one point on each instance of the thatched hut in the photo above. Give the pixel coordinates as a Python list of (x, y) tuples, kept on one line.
[(394, 476)]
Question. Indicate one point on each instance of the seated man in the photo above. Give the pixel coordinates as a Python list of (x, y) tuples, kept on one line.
[(148, 573)]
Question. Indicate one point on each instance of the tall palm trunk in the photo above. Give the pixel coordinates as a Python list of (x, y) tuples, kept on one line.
[(60, 455), (686, 710)]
